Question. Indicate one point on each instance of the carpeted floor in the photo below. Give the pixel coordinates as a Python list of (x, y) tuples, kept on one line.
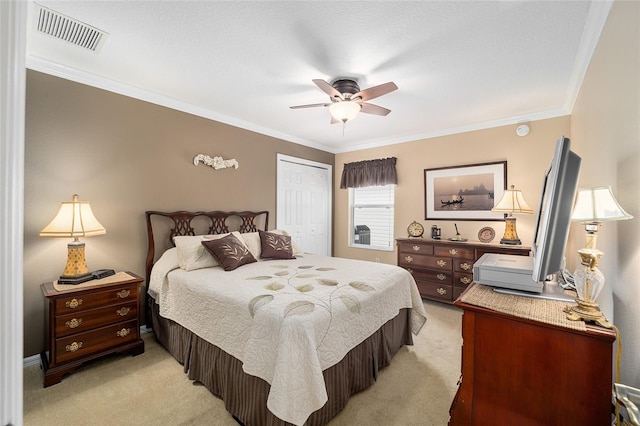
[(152, 389)]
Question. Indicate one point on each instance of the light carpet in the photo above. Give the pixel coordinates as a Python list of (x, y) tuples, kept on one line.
[(152, 389)]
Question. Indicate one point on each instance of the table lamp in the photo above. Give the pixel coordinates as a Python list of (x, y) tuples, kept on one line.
[(593, 206), (74, 219), (511, 202)]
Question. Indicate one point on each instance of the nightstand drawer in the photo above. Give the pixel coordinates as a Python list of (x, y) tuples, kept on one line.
[(84, 320), (73, 303), (81, 344)]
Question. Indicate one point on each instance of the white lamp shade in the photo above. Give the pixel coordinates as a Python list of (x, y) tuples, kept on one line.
[(512, 201), (597, 205), (344, 110), (74, 219)]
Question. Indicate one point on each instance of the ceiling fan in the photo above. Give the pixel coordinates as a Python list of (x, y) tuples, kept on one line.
[(347, 100)]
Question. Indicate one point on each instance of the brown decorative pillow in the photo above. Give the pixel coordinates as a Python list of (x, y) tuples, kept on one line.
[(229, 251), (275, 246)]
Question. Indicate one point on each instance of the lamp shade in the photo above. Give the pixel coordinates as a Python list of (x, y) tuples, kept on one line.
[(74, 219), (512, 201), (344, 110), (597, 205)]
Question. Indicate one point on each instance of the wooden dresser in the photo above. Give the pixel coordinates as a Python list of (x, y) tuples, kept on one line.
[(443, 269), (523, 371), (88, 322)]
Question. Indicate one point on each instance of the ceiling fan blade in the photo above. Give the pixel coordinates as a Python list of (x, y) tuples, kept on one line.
[(328, 89), (375, 91), (310, 106), (373, 109)]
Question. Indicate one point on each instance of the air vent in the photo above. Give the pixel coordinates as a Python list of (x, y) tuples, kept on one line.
[(70, 30)]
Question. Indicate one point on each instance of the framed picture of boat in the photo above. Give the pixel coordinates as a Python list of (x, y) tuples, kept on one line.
[(464, 192)]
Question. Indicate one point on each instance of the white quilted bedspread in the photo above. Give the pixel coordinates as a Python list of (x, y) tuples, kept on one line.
[(287, 320)]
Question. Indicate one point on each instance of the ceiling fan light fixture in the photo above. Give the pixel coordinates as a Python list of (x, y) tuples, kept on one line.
[(344, 110)]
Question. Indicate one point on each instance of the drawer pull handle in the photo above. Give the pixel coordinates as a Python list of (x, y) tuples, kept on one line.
[(453, 252), (124, 293), (123, 333), (73, 303), (123, 311), (442, 263), (408, 259), (465, 280), (441, 291), (73, 323), (441, 277), (73, 347), (416, 248), (466, 266)]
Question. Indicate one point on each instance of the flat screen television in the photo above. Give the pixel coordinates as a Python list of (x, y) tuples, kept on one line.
[(554, 212), (527, 276)]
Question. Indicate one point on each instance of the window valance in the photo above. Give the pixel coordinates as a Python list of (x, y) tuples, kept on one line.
[(369, 173)]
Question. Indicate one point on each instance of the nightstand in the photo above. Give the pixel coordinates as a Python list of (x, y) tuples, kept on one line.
[(88, 321)]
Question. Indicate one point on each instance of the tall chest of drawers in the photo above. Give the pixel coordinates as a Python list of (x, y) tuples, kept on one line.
[(88, 322), (443, 269)]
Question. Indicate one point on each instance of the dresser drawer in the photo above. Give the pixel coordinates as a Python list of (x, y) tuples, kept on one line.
[(462, 280), (457, 252), (415, 260), (442, 292), (84, 320), (408, 247), (81, 344), (463, 265), (75, 303), (438, 277)]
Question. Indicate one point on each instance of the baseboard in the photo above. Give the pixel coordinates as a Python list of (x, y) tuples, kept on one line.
[(35, 359), (31, 360)]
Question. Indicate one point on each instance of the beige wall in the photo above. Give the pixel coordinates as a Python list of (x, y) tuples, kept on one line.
[(606, 129), (127, 156), (527, 160)]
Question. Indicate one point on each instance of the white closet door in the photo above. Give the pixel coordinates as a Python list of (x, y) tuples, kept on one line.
[(304, 203)]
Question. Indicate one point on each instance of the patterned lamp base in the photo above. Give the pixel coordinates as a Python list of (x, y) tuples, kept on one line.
[(76, 271), (510, 235)]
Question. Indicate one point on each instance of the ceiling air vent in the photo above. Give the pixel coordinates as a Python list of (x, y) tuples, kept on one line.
[(70, 30)]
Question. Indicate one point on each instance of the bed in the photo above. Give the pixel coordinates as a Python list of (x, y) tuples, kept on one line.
[(285, 338)]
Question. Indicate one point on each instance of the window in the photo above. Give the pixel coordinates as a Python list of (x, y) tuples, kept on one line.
[(372, 217)]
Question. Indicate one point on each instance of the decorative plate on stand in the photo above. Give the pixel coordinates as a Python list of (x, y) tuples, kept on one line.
[(486, 234)]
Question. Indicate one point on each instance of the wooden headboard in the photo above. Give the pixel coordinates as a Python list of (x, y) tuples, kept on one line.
[(197, 223)]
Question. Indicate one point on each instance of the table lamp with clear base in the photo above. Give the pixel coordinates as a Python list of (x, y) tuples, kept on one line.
[(593, 206)]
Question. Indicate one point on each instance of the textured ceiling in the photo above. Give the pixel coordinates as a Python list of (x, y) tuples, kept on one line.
[(459, 65)]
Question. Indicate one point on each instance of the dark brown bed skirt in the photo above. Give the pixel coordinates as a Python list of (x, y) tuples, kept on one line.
[(245, 396)]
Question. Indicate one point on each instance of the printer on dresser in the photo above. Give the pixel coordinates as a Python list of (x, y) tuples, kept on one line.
[(443, 269)]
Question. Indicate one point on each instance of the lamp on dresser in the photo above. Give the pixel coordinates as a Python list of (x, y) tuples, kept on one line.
[(74, 220), (511, 202), (593, 206)]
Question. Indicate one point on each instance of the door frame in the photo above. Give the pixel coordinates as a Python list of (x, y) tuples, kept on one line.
[(13, 37), (283, 158)]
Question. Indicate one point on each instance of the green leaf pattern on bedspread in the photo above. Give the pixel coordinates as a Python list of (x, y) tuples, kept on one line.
[(287, 279)]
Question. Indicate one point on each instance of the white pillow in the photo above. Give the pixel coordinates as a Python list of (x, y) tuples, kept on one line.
[(191, 253), (252, 241)]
